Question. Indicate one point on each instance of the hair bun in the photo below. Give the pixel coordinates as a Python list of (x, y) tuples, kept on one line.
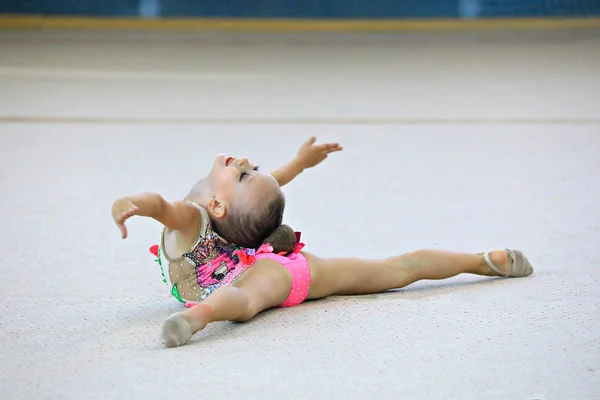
[(283, 239)]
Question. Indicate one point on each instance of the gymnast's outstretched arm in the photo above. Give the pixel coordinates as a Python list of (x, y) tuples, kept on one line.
[(176, 215), (309, 155)]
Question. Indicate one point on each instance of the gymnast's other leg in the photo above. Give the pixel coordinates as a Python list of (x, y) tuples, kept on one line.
[(264, 285), (349, 276)]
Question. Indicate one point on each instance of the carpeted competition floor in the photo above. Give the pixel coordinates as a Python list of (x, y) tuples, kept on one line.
[(463, 142)]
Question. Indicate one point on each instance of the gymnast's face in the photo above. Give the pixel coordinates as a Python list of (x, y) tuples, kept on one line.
[(236, 182)]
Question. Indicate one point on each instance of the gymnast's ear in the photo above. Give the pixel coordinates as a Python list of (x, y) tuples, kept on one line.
[(216, 208)]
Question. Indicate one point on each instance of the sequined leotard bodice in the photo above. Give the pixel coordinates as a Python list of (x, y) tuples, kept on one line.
[(209, 263)]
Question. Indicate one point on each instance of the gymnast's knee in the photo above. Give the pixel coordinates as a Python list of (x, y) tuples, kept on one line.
[(248, 314)]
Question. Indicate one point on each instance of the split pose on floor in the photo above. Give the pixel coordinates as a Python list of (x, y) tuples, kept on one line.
[(225, 254)]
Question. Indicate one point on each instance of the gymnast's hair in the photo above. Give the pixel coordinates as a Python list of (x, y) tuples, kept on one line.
[(261, 225)]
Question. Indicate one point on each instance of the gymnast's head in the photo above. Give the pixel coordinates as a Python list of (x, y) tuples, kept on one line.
[(245, 205)]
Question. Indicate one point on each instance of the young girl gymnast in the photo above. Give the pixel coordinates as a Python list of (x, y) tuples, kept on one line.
[(224, 247)]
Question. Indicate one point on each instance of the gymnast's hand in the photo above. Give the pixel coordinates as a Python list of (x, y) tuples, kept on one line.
[(311, 154), (122, 210)]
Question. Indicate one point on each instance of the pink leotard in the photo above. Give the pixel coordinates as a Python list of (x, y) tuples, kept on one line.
[(300, 271), (295, 263)]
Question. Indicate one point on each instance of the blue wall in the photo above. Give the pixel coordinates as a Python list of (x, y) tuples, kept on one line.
[(305, 8)]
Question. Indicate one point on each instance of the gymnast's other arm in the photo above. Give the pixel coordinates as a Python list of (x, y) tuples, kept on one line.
[(177, 215), (309, 155)]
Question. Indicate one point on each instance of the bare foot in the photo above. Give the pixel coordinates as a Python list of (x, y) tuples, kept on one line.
[(178, 328)]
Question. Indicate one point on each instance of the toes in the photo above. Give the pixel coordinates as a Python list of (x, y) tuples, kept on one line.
[(522, 264)]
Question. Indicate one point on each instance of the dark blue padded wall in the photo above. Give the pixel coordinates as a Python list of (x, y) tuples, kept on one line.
[(78, 8), (312, 8), (306, 8)]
